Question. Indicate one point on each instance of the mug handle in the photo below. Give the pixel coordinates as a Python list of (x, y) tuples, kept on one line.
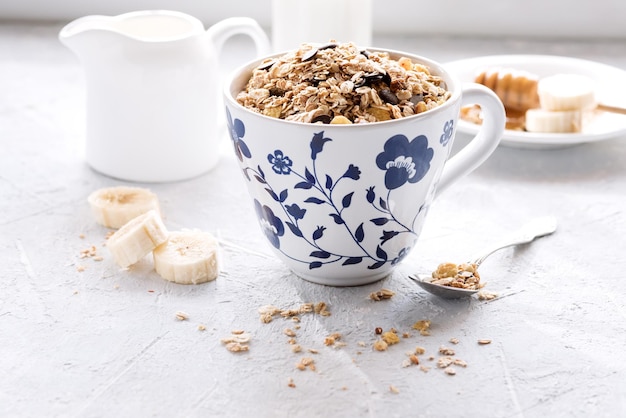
[(486, 140), (224, 29)]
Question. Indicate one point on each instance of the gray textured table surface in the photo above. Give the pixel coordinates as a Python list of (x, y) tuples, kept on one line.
[(105, 342)]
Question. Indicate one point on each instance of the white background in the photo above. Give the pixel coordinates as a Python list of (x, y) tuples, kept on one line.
[(545, 18)]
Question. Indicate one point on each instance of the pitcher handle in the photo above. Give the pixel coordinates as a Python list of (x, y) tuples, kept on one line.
[(224, 29), (486, 140)]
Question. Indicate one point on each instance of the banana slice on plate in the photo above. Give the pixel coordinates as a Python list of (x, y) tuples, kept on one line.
[(116, 206), (188, 257), (135, 239), (540, 120), (563, 92)]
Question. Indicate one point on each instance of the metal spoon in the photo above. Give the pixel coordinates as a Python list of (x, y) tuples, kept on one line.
[(534, 229)]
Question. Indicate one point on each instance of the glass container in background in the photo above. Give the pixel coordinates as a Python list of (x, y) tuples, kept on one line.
[(298, 21)]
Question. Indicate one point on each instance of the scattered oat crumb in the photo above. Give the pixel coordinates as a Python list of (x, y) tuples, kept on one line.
[(117, 286), (201, 327), (361, 344), (484, 342), (237, 338), (306, 362), (266, 318), (423, 327), (332, 339), (291, 341), (443, 362), (290, 383), (459, 362), (98, 258), (382, 294), (313, 351), (237, 331), (289, 332), (393, 389), (406, 335), (446, 351), (80, 268), (81, 236), (390, 337), (419, 350), (454, 340), (182, 316), (320, 308), (485, 295), (380, 345), (235, 347), (75, 292), (296, 348), (450, 371), (425, 369)]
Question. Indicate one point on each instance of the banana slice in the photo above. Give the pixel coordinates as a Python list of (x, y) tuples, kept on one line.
[(187, 257), (115, 206), (562, 92), (539, 120), (137, 238)]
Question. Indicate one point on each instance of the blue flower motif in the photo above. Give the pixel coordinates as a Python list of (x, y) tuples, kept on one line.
[(271, 225), (403, 253), (281, 164), (371, 194), (404, 161), (448, 129), (296, 211), (237, 131), (317, 144), (352, 172)]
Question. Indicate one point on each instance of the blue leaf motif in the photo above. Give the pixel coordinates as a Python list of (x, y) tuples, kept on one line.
[(310, 177), (260, 170), (347, 200), (303, 185), (359, 234), (274, 196), (376, 265), (315, 265), (382, 203), (294, 229), (283, 196), (259, 179), (379, 221), (380, 253), (320, 254), (329, 182), (337, 218), (352, 260), (315, 200)]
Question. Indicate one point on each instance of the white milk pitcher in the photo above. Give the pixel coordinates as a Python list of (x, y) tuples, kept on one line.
[(153, 91)]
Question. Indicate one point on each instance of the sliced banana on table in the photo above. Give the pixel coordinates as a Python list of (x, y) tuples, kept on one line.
[(188, 257), (116, 206), (137, 238)]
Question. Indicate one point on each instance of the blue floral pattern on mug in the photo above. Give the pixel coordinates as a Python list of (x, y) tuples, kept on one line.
[(401, 161), (448, 131), (237, 131)]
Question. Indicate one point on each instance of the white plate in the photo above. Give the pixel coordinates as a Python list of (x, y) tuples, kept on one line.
[(611, 90)]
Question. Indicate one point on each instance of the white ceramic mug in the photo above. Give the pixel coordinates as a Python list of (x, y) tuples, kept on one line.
[(153, 91), (332, 200)]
